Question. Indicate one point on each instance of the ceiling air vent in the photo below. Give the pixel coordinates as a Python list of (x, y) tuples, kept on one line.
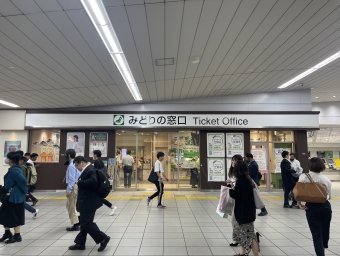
[(165, 62)]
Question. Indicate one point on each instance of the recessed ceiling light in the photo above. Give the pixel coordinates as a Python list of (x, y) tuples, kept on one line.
[(316, 97), (334, 96), (195, 60), (311, 70), (96, 10), (11, 67), (8, 104)]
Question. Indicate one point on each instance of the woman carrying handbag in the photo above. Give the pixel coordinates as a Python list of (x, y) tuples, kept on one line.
[(12, 210), (318, 215)]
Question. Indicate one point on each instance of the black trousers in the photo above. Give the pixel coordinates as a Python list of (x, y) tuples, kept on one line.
[(288, 187), (159, 193), (87, 226), (127, 178), (107, 203), (319, 219)]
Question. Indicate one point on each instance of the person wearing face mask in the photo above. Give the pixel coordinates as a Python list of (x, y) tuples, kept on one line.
[(99, 165), (12, 213), (87, 204), (72, 175), (288, 180)]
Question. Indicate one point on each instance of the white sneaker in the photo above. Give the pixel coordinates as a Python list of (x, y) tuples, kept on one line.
[(35, 213), (113, 210)]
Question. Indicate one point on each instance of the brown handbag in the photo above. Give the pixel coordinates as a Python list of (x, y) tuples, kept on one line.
[(313, 192)]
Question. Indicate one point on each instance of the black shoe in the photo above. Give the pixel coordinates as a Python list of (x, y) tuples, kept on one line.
[(103, 245), (241, 255), (73, 228), (6, 236), (263, 213), (233, 245), (14, 239), (295, 206), (287, 206), (77, 247)]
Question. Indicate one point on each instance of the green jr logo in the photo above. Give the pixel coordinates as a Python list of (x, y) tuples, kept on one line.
[(118, 120)]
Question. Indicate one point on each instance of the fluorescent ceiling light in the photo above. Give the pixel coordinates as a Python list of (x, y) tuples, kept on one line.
[(311, 70), (8, 104), (95, 9)]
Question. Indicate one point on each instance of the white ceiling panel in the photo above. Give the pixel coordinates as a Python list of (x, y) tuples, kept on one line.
[(152, 90), (256, 18), (89, 33), (177, 88), (169, 89), (27, 6), (239, 20), (201, 87), (155, 18), (173, 25), (191, 16), (194, 86), (139, 27), (70, 32), (8, 8), (49, 5), (207, 20), (185, 88), (122, 27), (70, 4), (160, 87), (212, 84)]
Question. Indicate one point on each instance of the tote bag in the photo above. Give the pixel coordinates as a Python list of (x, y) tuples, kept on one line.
[(313, 192), (257, 198)]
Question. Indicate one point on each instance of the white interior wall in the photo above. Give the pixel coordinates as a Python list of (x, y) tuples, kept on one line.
[(8, 136)]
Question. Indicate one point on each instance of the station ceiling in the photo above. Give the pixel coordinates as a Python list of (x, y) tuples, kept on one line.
[(51, 56)]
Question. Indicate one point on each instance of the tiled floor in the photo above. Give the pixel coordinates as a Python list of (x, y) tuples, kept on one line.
[(189, 226)]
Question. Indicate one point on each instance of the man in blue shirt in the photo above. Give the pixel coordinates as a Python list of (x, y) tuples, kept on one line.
[(254, 174), (72, 176)]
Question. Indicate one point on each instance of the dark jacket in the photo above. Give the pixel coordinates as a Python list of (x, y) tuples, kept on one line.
[(88, 199), (15, 179), (245, 209), (254, 171), (286, 172)]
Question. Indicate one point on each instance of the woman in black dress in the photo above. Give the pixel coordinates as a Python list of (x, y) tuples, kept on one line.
[(12, 213), (244, 211)]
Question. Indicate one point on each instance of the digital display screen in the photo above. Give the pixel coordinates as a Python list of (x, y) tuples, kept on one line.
[(123, 152), (330, 161)]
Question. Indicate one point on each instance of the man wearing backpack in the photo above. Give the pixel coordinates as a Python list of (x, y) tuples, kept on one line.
[(87, 204)]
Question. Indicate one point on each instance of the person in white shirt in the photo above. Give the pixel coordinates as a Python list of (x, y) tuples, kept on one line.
[(127, 163), (158, 169), (318, 215)]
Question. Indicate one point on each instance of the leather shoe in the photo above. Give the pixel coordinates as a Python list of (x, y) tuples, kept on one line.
[(73, 228), (295, 206), (263, 213), (35, 202), (77, 247), (233, 245), (14, 239), (287, 206), (104, 244), (6, 236)]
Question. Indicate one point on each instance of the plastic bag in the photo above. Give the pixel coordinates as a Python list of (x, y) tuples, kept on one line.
[(224, 195)]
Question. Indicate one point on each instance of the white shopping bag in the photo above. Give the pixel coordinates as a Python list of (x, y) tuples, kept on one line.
[(224, 195), (222, 214)]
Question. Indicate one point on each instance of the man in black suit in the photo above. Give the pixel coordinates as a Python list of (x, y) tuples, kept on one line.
[(87, 203), (288, 180)]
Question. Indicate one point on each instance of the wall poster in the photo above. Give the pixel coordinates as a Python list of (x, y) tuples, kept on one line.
[(216, 169), (76, 141), (215, 145), (11, 146), (260, 156), (235, 144), (98, 141), (278, 158)]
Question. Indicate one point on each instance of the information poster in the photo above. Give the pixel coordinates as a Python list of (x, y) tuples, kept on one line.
[(216, 169), (261, 159), (111, 167), (98, 141), (215, 145), (11, 146), (323, 135), (278, 158), (235, 144), (76, 141)]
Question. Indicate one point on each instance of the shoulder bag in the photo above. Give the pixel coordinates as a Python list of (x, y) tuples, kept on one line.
[(153, 177), (257, 198), (4, 195), (313, 192)]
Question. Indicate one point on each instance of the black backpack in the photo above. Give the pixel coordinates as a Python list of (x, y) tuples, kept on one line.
[(103, 184)]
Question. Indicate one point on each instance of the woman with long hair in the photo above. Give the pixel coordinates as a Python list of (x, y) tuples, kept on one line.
[(231, 179), (245, 210)]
